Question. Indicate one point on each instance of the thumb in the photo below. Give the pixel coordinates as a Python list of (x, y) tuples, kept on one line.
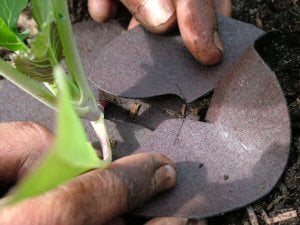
[(98, 196)]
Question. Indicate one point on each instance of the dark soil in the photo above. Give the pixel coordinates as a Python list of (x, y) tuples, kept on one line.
[(269, 14)]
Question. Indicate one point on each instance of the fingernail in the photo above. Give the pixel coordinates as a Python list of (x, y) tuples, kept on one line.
[(218, 41), (164, 178), (157, 12), (133, 23)]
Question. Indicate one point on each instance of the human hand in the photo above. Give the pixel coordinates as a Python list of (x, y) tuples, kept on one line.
[(196, 20), (95, 197)]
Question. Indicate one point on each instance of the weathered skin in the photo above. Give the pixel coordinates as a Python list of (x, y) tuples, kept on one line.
[(196, 20), (200, 36), (95, 197), (224, 7), (21, 144)]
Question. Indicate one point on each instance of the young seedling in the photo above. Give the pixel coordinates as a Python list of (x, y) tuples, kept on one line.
[(36, 69)]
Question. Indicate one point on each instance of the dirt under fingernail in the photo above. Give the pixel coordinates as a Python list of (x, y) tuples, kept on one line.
[(164, 178)]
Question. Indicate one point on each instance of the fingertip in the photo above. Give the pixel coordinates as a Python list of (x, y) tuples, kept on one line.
[(209, 59), (151, 173), (197, 24), (164, 178), (209, 53), (102, 10)]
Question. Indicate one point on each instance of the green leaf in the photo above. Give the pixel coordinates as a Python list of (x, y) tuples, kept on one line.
[(45, 52), (41, 43), (27, 84), (47, 40), (10, 11), (8, 39), (37, 69), (70, 156), (42, 11)]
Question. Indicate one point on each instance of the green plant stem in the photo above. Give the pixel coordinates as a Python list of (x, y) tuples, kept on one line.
[(101, 131), (27, 84), (72, 58), (73, 62), (51, 87)]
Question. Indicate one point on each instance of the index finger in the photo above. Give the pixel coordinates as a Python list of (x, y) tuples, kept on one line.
[(198, 27)]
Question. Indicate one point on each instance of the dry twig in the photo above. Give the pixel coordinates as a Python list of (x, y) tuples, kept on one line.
[(252, 216), (279, 218)]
